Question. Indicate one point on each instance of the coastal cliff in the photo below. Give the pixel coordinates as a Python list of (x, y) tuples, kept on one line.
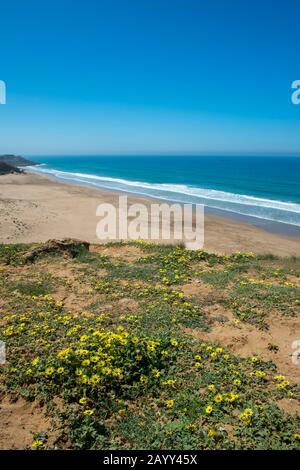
[(6, 169), (16, 160)]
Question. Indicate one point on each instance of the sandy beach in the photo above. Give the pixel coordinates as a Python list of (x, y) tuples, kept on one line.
[(34, 208)]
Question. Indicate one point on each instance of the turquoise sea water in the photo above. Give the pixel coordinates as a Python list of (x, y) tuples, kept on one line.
[(267, 188)]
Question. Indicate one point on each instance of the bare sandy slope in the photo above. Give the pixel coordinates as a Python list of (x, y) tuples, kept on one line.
[(34, 208)]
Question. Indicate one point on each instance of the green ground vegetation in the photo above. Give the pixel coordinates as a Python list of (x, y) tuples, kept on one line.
[(104, 343)]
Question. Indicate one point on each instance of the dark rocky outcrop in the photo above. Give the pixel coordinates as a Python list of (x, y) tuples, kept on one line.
[(69, 246), (16, 160), (6, 169)]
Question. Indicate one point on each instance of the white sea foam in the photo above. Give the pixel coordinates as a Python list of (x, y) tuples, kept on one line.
[(268, 209)]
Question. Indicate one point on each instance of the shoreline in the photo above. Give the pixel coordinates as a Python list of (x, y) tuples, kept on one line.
[(271, 226), (266, 202), (35, 208)]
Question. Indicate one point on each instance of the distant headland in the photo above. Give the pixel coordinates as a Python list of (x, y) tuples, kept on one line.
[(12, 163)]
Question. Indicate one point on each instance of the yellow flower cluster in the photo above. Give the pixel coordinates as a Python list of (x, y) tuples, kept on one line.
[(283, 384), (246, 416)]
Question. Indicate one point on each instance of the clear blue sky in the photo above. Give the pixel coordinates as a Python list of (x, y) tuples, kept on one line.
[(149, 76)]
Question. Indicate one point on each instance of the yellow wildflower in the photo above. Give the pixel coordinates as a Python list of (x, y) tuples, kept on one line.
[(37, 443), (260, 373), (84, 338), (248, 412), (151, 345), (191, 427), (95, 379), (231, 397), (35, 361), (155, 372), (169, 403), (218, 398), (95, 359), (168, 382), (49, 371), (246, 416), (86, 362), (283, 384), (165, 353)]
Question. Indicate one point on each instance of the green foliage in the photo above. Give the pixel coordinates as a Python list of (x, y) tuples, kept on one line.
[(135, 378), (12, 254)]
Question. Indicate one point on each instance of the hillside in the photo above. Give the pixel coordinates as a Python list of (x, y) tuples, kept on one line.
[(144, 346), (6, 169), (16, 160)]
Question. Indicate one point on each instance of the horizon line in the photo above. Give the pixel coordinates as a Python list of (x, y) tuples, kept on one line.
[(165, 154)]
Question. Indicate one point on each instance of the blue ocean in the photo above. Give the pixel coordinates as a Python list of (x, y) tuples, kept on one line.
[(266, 188)]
